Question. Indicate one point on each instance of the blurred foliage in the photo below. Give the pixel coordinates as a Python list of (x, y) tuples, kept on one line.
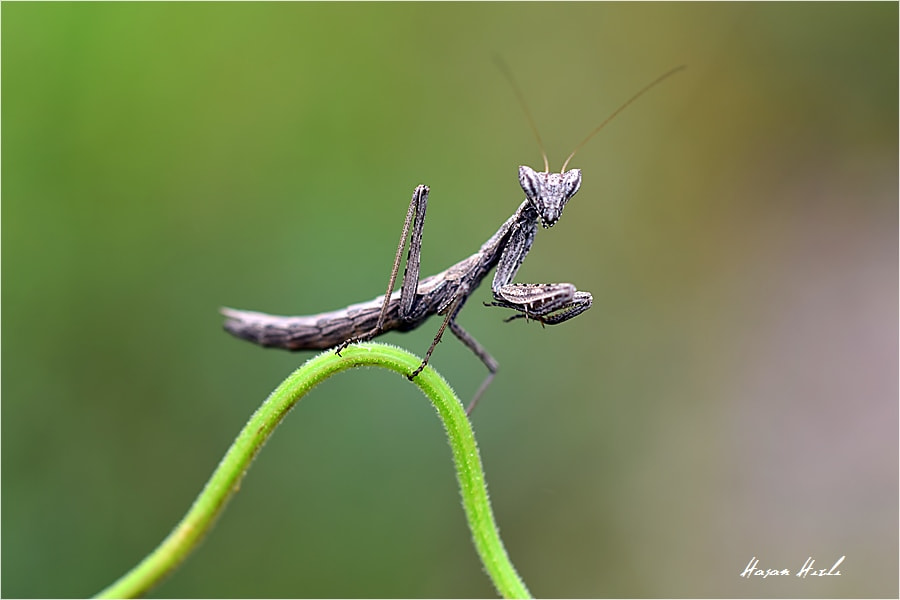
[(733, 392)]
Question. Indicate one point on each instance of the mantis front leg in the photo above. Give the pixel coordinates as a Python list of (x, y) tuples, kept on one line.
[(548, 303)]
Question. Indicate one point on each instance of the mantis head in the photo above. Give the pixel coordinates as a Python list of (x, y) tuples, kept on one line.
[(549, 192)]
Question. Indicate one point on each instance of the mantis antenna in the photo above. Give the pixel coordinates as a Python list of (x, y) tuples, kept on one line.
[(521, 98), (617, 111)]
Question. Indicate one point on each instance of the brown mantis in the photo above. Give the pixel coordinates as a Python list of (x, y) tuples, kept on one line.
[(445, 293)]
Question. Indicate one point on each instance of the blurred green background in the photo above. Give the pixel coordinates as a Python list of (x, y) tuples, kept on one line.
[(733, 392)]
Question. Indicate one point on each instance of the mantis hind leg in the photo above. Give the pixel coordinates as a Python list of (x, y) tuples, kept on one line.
[(415, 216)]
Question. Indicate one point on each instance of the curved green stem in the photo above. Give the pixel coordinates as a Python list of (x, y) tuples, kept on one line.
[(226, 479)]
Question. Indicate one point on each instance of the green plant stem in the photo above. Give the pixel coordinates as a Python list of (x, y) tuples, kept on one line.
[(226, 479)]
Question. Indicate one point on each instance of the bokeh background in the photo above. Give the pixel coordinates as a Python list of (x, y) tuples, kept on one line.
[(732, 393)]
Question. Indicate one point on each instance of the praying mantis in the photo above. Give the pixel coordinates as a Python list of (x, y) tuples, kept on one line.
[(445, 293)]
